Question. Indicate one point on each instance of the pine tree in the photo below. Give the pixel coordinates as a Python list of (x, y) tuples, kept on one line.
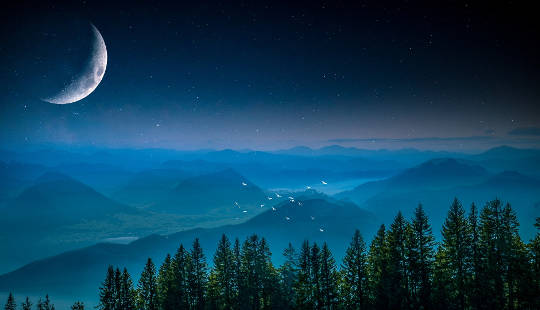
[(475, 261), (77, 306), (378, 271), (521, 293), (420, 256), (288, 277), (517, 271), (315, 272), (10, 304), (303, 285), (45, 305), (107, 291), (165, 279), (237, 274), (147, 288), (27, 304), (457, 253), (534, 250), (268, 277), (249, 277), (354, 292), (197, 276), (491, 246), (221, 281), (397, 263), (117, 288), (127, 294), (328, 279), (442, 284), (179, 266), (252, 272)]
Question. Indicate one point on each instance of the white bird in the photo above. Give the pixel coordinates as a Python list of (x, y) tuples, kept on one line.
[(291, 198), (236, 204), (244, 211), (321, 230), (287, 218), (308, 187), (278, 195), (262, 205), (312, 218), (244, 183), (273, 209), (323, 183), (300, 203), (269, 198)]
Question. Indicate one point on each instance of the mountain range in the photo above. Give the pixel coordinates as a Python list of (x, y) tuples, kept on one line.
[(79, 272), (89, 206), (435, 184)]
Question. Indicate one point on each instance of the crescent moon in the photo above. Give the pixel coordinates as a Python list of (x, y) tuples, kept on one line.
[(89, 78)]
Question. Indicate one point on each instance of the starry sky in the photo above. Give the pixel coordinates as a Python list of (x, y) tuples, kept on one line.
[(272, 75)]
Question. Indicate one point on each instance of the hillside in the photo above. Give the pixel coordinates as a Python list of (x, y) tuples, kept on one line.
[(79, 273), (48, 210), (431, 175), (149, 186), (225, 192), (522, 192)]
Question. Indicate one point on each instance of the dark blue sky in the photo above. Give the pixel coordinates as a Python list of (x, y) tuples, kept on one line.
[(458, 76)]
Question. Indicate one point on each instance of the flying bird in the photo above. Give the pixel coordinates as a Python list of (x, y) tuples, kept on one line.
[(323, 183), (278, 195), (321, 230), (273, 209), (244, 211), (287, 218), (244, 183)]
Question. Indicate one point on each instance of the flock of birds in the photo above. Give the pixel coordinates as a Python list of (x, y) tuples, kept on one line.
[(291, 200)]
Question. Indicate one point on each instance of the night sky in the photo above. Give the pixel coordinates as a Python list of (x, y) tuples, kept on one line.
[(459, 76)]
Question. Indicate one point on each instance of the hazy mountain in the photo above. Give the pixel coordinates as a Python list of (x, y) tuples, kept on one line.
[(58, 199), (438, 173), (149, 186), (79, 273), (287, 171), (525, 161), (103, 177), (15, 176), (223, 192), (433, 174), (406, 156), (506, 153), (39, 222), (522, 192)]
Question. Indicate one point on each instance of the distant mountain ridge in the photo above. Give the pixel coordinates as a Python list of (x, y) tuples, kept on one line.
[(146, 187), (222, 191), (63, 198), (433, 174)]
